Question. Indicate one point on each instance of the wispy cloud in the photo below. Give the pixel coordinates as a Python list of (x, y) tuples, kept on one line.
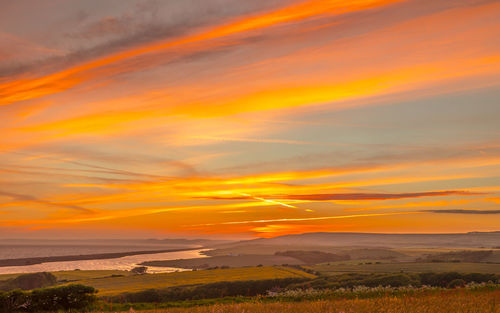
[(30, 199), (464, 211), (310, 218), (378, 196), (33, 88)]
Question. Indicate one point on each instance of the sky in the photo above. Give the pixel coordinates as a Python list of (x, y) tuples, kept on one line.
[(245, 119)]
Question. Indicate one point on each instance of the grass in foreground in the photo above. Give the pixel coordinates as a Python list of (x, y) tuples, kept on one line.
[(115, 285), (451, 301)]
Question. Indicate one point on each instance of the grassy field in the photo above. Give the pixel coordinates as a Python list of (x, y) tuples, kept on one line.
[(76, 275), (452, 301), (116, 285), (225, 260), (357, 253), (356, 267), (79, 275)]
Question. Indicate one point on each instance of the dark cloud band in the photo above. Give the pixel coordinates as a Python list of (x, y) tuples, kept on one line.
[(463, 211)]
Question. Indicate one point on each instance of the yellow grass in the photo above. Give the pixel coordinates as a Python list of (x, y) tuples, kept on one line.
[(446, 302), (117, 285)]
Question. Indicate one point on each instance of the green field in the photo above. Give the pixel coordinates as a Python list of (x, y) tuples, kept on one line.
[(116, 285), (335, 268)]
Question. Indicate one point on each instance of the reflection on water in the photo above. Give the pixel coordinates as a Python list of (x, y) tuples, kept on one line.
[(18, 251), (123, 263)]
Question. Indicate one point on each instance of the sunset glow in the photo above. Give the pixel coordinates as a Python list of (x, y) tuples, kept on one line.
[(247, 119)]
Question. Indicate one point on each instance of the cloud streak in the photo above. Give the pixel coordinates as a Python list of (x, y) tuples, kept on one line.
[(379, 196), (32, 88), (30, 199), (464, 211), (310, 218)]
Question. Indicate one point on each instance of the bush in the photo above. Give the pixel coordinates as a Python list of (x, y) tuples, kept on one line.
[(12, 301), (139, 270), (352, 280), (48, 299), (443, 279), (456, 283)]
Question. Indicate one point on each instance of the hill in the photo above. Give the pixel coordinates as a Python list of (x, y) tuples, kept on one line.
[(458, 240)]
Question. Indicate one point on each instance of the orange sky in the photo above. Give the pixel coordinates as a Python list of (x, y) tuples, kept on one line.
[(234, 119)]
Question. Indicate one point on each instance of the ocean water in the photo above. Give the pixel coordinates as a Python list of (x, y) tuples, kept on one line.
[(123, 263), (17, 251)]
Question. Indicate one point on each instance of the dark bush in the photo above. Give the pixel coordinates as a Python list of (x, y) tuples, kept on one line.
[(15, 300), (456, 283), (480, 278), (48, 299), (139, 270), (64, 297), (443, 279)]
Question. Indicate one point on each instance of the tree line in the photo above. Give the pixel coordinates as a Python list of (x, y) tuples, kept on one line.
[(207, 291), (350, 280)]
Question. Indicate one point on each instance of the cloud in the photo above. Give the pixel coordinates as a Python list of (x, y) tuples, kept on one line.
[(28, 198), (25, 89), (363, 196), (141, 24), (155, 98), (464, 211), (311, 218), (378, 196), (378, 155)]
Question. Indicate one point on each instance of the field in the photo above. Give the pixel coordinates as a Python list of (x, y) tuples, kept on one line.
[(232, 261), (355, 267), (116, 285), (452, 301), (76, 275), (357, 253)]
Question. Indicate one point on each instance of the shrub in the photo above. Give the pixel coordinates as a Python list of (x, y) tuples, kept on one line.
[(14, 300), (48, 299), (456, 283), (139, 270), (443, 279)]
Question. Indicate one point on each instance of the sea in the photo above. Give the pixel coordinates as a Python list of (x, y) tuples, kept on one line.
[(10, 250)]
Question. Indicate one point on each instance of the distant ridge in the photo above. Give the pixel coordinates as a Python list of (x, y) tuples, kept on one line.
[(388, 240)]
